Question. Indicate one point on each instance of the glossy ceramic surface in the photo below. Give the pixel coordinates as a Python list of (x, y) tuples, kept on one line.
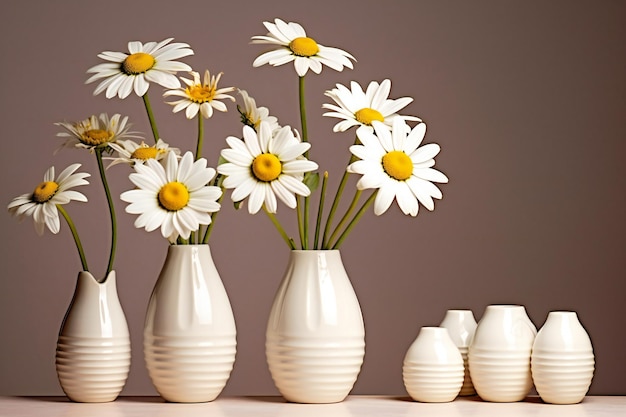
[(93, 349), (461, 326), (189, 333), (315, 339)]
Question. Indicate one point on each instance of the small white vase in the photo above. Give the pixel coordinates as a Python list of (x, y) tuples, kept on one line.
[(461, 326), (562, 360), (189, 332), (499, 355), (433, 367), (93, 349), (315, 339)]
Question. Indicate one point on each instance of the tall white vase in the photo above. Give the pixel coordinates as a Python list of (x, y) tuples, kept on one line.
[(433, 367), (562, 360), (499, 355), (315, 340), (93, 349), (189, 332), (461, 326)]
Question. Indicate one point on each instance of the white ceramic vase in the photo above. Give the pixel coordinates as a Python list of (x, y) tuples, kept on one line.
[(461, 326), (562, 360), (433, 367), (499, 355), (315, 340), (189, 332), (93, 349)]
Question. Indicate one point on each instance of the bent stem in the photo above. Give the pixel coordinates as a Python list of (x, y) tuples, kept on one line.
[(355, 200), (111, 210), (355, 220), (207, 234), (153, 126), (79, 246), (280, 229)]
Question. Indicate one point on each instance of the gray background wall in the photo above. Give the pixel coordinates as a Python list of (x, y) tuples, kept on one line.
[(527, 100)]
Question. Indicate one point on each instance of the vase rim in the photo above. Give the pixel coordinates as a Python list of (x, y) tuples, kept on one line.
[(315, 250)]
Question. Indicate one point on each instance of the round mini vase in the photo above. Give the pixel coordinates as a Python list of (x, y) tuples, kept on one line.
[(315, 339), (562, 360), (461, 326), (433, 367), (189, 332), (499, 355), (93, 349)]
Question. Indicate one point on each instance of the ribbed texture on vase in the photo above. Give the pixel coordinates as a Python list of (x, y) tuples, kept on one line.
[(315, 371), (432, 383), (562, 378), (468, 387), (92, 369), (186, 369), (500, 376)]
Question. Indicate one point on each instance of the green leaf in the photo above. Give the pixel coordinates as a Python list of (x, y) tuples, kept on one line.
[(311, 180)]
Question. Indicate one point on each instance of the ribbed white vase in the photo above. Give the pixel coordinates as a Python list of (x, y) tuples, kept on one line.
[(499, 355), (461, 326), (562, 360), (315, 340), (433, 367), (189, 332), (93, 349)]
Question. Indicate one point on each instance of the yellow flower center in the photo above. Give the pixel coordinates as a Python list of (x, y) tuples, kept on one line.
[(200, 93), (137, 63), (173, 196), (95, 137), (367, 116), (145, 153), (398, 165), (266, 167), (45, 191), (304, 46)]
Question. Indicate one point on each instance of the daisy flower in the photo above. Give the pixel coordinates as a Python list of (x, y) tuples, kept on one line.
[(132, 153), (42, 202), (295, 46), (263, 166), (96, 132), (200, 95), (135, 70), (395, 164), (173, 196), (252, 116), (359, 108)]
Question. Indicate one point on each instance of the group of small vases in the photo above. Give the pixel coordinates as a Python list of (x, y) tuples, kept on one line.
[(500, 357)]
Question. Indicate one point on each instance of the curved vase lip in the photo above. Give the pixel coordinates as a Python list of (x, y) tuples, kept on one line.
[(314, 250), (89, 276)]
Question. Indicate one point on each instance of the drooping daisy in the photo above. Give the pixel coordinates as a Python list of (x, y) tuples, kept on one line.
[(252, 116), (130, 152), (263, 166), (296, 46), (135, 70), (42, 202), (173, 196), (202, 96), (395, 163), (96, 132), (361, 108)]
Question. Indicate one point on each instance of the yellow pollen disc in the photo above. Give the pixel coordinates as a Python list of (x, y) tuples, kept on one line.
[(367, 116), (145, 153), (398, 165), (45, 191), (304, 47), (266, 167), (173, 196), (95, 137), (137, 63), (200, 93)]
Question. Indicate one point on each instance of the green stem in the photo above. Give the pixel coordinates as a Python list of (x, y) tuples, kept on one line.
[(280, 229), (320, 210), (305, 136), (304, 231), (355, 200), (79, 246), (355, 220), (299, 215), (200, 135), (207, 234), (111, 210), (153, 126)]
